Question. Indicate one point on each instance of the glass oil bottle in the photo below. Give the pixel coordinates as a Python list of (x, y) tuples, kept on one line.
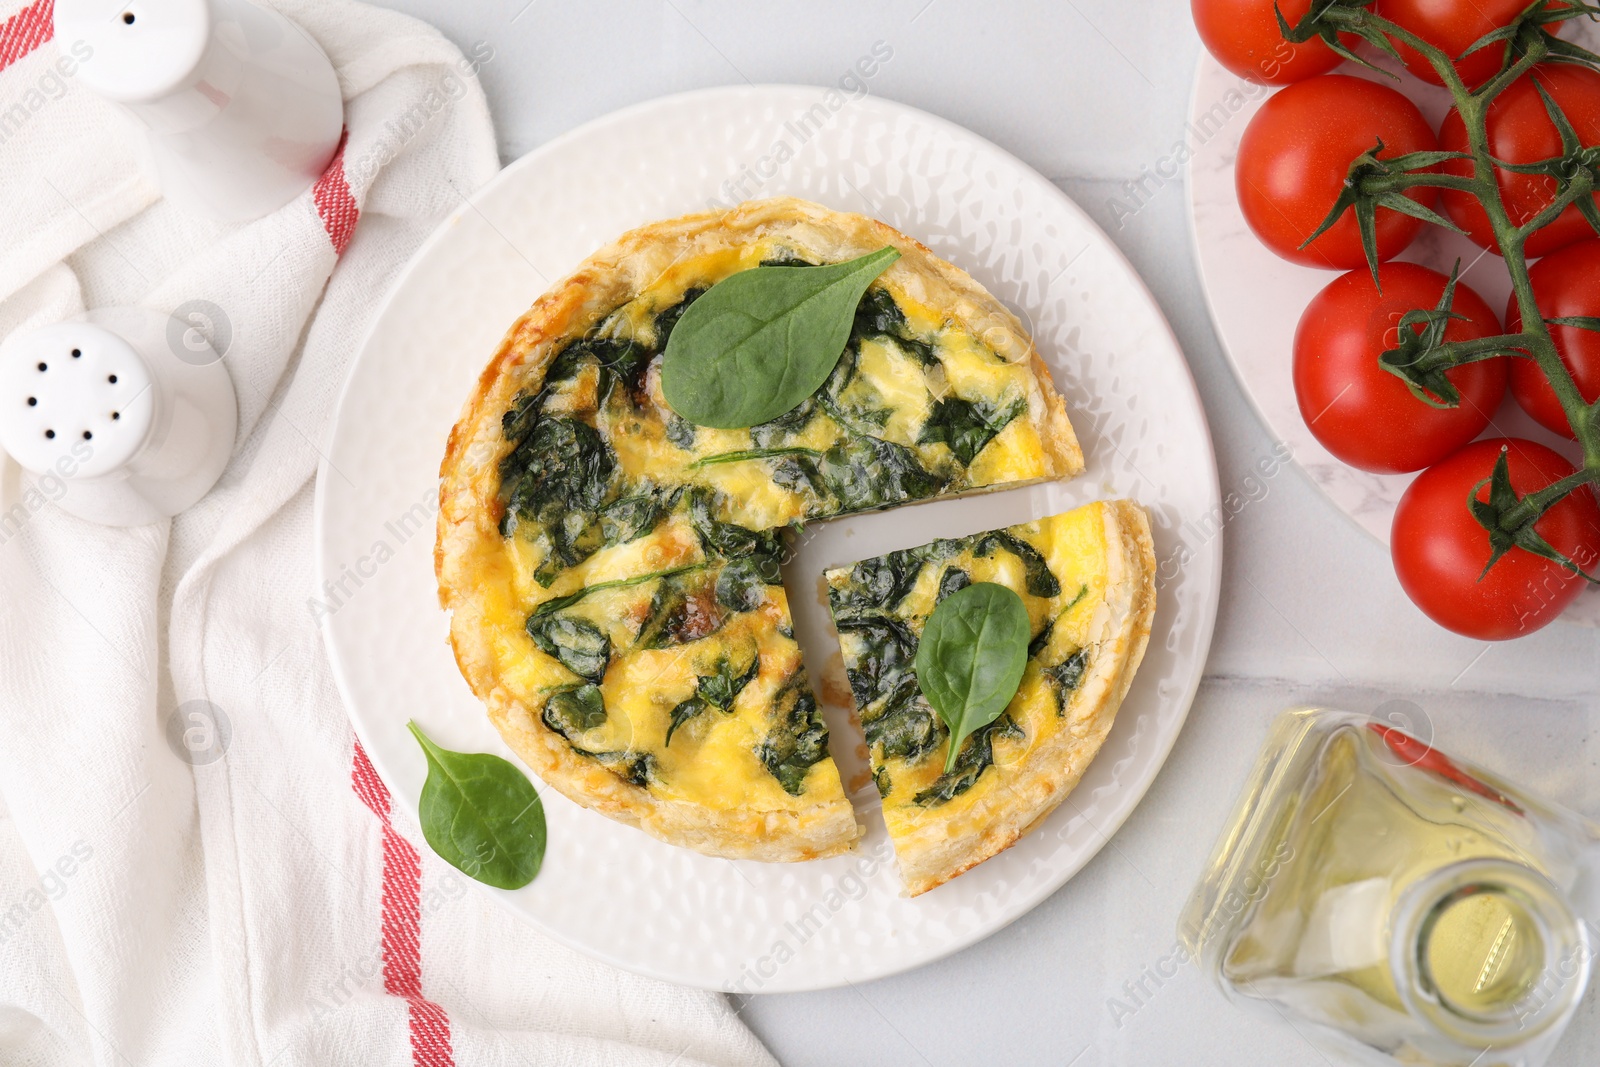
[(1415, 909)]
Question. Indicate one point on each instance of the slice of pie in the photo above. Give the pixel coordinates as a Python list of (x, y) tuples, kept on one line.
[(612, 570), (1087, 578)]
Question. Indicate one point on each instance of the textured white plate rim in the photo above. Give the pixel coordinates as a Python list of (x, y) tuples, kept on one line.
[(1205, 624)]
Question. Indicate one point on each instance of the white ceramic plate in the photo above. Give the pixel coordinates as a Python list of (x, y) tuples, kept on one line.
[(608, 889), (1256, 298)]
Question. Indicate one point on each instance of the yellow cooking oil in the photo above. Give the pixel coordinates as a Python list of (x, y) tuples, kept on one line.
[(1402, 901)]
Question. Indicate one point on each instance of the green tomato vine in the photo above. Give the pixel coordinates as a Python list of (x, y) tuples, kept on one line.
[(1423, 356)]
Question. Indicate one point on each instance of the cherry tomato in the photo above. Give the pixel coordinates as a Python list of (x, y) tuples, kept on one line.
[(1439, 549), (1362, 413), (1566, 284), (1243, 35), (1452, 26), (1296, 152), (1520, 131)]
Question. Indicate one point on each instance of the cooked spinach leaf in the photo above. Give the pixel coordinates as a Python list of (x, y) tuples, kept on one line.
[(581, 646), (680, 432), (557, 603), (718, 690), (798, 739), (888, 648), (1041, 642), (967, 425), (787, 425), (1040, 582), (869, 472), (667, 318), (558, 477), (742, 583), (683, 609), (975, 758), (574, 711), (728, 539), (877, 315), (628, 518), (953, 580), (903, 724), (881, 582), (1066, 676), (481, 815)]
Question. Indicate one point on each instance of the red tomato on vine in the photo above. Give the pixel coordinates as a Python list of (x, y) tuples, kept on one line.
[(1365, 415), (1452, 26), (1243, 35), (1296, 152), (1520, 131), (1566, 284), (1440, 550)]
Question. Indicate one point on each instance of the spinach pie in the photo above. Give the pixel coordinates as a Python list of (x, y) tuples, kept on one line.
[(1087, 579), (612, 570)]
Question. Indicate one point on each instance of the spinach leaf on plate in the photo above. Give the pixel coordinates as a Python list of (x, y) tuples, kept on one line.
[(481, 815)]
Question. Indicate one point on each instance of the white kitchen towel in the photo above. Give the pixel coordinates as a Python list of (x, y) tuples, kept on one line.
[(197, 864)]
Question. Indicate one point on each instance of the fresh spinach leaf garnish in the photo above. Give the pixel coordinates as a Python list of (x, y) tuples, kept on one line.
[(718, 690), (966, 426), (798, 739), (581, 646), (976, 758), (1039, 580), (1066, 676), (481, 815), (970, 660), (759, 342)]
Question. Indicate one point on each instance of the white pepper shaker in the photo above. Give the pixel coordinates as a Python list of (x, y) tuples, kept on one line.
[(123, 418), (241, 107)]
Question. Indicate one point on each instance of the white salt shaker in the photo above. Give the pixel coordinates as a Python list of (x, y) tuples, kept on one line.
[(241, 107), (123, 418)]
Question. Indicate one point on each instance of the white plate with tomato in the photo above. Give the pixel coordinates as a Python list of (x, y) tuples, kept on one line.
[(1304, 327)]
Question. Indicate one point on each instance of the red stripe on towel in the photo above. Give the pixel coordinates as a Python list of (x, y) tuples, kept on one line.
[(26, 30), (334, 201), (402, 913)]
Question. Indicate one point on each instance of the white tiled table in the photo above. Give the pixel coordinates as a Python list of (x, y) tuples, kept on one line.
[(1091, 93)]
